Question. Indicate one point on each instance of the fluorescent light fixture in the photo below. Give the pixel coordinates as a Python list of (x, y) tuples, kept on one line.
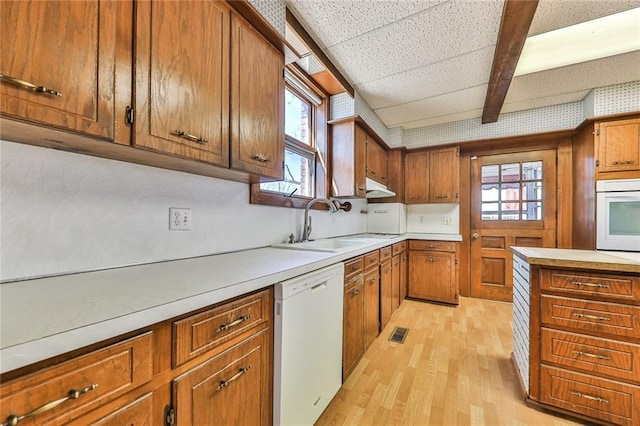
[(607, 36)]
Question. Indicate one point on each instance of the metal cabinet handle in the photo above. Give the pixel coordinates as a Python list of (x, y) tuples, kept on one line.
[(372, 280), (12, 419), (475, 235), (190, 137), (581, 284), (589, 397), (579, 315), (355, 292), (240, 320), (617, 163), (441, 196), (224, 383), (27, 85), (431, 259), (590, 355), (261, 158)]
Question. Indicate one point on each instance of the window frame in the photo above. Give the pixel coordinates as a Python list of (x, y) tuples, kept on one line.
[(319, 117)]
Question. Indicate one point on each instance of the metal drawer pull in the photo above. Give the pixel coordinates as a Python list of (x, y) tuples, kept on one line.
[(261, 158), (589, 355), (224, 383), (240, 320), (616, 163), (579, 315), (355, 292), (589, 397), (190, 137), (12, 419), (441, 196), (30, 86), (581, 284)]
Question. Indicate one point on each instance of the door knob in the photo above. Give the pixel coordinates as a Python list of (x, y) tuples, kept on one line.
[(475, 235)]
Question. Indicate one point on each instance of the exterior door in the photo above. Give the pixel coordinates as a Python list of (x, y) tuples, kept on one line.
[(513, 203)]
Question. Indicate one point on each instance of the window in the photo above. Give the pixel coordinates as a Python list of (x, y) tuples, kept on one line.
[(304, 165), (299, 154), (512, 191)]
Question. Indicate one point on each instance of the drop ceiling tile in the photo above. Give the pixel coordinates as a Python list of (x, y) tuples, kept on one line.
[(584, 76), (525, 104), (450, 75), (448, 30), (554, 14), (449, 118), (336, 21), (449, 103)]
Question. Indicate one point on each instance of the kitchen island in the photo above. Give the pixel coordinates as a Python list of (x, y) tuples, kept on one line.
[(576, 332)]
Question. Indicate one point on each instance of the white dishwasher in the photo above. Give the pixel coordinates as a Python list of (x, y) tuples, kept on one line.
[(307, 345)]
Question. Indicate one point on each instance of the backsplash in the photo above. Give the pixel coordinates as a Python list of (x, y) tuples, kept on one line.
[(64, 212), (433, 218)]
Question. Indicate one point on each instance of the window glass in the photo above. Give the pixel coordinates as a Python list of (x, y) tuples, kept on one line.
[(297, 122), (514, 195)]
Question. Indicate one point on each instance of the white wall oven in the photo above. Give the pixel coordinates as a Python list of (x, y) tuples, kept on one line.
[(618, 215)]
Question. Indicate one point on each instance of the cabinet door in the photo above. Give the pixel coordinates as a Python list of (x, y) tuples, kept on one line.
[(257, 102), (376, 161), (444, 175), (395, 282), (403, 275), (386, 293), (416, 187), (233, 388), (67, 47), (371, 306), (432, 276), (182, 79), (353, 336), (619, 146)]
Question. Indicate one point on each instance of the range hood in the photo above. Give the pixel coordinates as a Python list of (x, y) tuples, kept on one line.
[(377, 190)]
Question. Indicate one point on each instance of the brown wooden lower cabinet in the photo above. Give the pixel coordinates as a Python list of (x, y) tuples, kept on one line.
[(231, 388), (386, 293), (371, 306), (132, 381), (353, 337), (582, 346), (433, 271)]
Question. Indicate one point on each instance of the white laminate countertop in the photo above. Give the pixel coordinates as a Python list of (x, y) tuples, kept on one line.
[(45, 317), (572, 258)]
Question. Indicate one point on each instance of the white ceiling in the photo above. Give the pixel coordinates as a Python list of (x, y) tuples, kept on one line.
[(426, 62)]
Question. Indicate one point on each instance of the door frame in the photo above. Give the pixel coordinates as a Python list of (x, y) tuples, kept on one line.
[(561, 141)]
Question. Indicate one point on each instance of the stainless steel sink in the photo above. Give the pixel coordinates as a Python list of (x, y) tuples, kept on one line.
[(329, 245)]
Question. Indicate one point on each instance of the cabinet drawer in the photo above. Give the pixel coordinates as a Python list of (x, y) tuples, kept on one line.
[(613, 319), (399, 247), (371, 260), (353, 266), (603, 399), (202, 332), (615, 359), (385, 253), (115, 370), (432, 245), (579, 283)]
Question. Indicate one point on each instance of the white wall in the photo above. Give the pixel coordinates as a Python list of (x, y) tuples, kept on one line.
[(433, 218), (64, 212)]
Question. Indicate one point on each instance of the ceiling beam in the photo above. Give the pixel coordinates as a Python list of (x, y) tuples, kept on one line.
[(514, 27)]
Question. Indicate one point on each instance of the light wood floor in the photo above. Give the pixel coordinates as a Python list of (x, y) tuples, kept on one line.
[(454, 368)]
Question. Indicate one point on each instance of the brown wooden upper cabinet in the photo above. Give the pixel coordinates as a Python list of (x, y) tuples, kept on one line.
[(357, 154), (60, 75), (432, 176), (377, 168), (618, 147), (192, 80), (201, 67)]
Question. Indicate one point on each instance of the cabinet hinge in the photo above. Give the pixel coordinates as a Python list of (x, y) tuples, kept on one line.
[(456, 261), (458, 152), (597, 132), (169, 416), (597, 163), (130, 115)]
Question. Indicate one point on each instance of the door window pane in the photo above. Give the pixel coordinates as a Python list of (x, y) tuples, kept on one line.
[(490, 173), (512, 191)]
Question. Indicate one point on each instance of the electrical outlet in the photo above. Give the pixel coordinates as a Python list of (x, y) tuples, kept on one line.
[(445, 220), (179, 219)]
